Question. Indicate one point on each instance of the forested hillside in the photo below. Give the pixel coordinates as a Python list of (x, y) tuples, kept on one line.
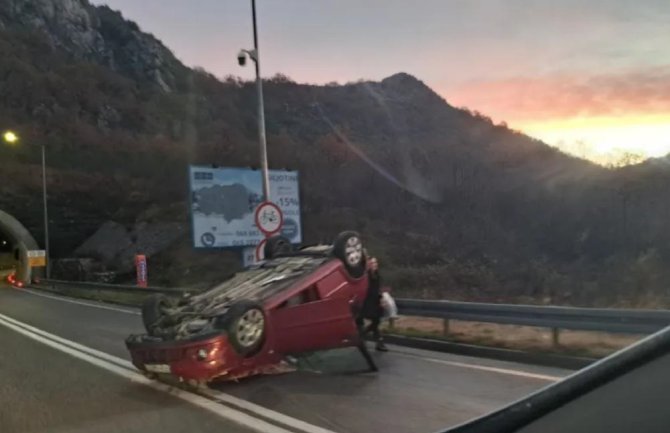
[(454, 205)]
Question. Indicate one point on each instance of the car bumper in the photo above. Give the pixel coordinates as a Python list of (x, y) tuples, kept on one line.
[(198, 360)]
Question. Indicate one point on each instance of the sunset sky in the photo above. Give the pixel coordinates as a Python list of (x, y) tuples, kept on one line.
[(592, 77)]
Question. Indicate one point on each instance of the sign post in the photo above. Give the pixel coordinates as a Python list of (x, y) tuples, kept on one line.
[(269, 218), (141, 270), (37, 258), (249, 256)]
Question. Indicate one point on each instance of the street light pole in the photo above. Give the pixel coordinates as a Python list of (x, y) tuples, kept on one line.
[(261, 110), (11, 138), (46, 215)]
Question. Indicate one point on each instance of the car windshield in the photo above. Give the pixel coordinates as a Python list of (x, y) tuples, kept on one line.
[(335, 216)]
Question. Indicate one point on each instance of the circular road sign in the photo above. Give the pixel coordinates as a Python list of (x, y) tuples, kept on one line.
[(269, 218), (260, 250)]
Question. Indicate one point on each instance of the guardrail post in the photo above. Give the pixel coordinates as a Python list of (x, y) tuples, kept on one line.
[(554, 337), (445, 327)]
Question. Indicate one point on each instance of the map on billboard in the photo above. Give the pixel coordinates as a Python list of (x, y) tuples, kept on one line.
[(223, 201)]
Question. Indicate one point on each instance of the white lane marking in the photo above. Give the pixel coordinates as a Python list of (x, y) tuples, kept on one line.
[(267, 413), (71, 344), (506, 371), (98, 357), (202, 402), (88, 304)]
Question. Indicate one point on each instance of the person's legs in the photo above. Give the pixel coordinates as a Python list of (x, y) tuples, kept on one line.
[(360, 325), (377, 335), (369, 328), (368, 358), (374, 328)]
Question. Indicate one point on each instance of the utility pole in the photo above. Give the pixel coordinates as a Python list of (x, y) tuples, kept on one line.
[(255, 56), (46, 214)]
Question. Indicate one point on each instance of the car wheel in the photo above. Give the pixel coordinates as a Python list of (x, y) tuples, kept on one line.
[(275, 246), (348, 247), (153, 311), (246, 327)]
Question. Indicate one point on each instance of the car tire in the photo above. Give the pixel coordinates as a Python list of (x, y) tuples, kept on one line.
[(246, 325), (275, 246), (153, 311), (348, 247)]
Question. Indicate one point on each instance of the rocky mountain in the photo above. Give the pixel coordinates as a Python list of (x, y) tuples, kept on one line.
[(454, 205), (96, 34)]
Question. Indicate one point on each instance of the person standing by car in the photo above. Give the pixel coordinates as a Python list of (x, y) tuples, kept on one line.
[(372, 308)]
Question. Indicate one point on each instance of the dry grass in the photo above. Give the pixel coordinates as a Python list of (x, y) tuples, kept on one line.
[(578, 343)]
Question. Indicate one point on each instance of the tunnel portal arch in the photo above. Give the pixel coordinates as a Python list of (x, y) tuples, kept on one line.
[(22, 240)]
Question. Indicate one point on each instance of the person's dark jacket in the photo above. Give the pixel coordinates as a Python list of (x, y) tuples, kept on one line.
[(372, 308)]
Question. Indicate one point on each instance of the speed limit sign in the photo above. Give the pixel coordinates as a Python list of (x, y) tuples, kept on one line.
[(269, 218)]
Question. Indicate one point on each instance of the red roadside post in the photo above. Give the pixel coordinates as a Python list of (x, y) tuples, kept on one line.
[(141, 270)]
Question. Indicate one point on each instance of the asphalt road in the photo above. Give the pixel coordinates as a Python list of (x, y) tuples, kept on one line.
[(415, 391), (45, 390)]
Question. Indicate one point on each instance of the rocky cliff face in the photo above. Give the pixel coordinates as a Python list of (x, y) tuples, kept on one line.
[(97, 34)]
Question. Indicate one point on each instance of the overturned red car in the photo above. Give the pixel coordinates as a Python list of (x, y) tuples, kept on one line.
[(293, 302)]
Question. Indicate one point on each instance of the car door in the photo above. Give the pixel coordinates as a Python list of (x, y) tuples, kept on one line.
[(314, 325)]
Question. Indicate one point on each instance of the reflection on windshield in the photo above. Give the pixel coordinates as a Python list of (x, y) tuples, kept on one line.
[(310, 217)]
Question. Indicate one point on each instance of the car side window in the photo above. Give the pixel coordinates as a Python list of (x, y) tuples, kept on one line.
[(294, 300), (308, 295)]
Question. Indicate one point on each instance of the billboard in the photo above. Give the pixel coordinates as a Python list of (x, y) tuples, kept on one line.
[(37, 258), (223, 201)]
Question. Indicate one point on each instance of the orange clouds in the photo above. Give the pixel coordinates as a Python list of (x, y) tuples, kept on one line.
[(559, 96), (599, 117)]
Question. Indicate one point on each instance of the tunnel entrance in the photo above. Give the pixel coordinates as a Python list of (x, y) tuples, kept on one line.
[(15, 242)]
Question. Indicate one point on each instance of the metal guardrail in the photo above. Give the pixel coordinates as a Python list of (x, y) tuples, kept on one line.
[(574, 318), (107, 286), (583, 319)]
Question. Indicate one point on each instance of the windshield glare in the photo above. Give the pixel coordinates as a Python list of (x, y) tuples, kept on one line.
[(336, 216)]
